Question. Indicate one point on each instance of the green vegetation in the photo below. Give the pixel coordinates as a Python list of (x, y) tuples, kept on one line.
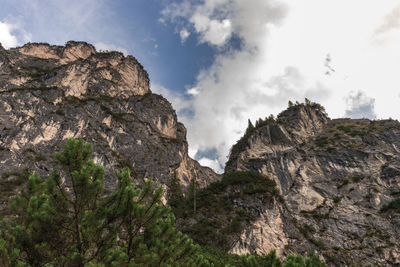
[(393, 206), (73, 223), (69, 219), (60, 112), (30, 88), (321, 141), (357, 178), (336, 200), (242, 143), (219, 258), (32, 155), (36, 73), (217, 217), (359, 128), (117, 116), (10, 180)]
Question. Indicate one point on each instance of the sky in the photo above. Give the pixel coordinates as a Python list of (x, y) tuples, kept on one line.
[(222, 62)]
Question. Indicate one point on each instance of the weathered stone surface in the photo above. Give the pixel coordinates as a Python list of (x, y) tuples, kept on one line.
[(51, 93), (335, 176)]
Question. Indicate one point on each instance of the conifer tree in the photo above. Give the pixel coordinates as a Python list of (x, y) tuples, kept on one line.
[(250, 127), (68, 220)]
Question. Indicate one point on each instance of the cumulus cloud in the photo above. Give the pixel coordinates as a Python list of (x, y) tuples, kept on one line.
[(12, 34), (360, 106), (214, 164), (7, 39), (272, 51), (184, 34), (209, 20), (178, 101), (236, 86), (59, 21), (390, 25), (110, 47)]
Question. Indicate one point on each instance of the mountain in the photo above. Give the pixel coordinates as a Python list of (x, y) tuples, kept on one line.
[(337, 178), (51, 93), (296, 183)]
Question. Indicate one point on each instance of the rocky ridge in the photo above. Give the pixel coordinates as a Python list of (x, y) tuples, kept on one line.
[(51, 93), (335, 177)]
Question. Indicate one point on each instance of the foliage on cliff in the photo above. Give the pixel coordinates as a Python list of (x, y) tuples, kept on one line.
[(214, 215)]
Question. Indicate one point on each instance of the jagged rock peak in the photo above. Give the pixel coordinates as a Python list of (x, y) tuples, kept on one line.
[(77, 68), (340, 181), (71, 51), (51, 93), (303, 120), (295, 125)]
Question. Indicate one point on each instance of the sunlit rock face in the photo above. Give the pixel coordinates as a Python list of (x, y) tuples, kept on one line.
[(77, 69), (51, 93), (335, 176)]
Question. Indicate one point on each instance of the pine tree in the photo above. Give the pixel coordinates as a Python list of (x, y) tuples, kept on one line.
[(175, 194), (250, 127), (68, 220)]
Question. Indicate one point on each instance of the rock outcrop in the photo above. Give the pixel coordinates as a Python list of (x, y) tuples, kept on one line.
[(335, 176), (51, 93), (337, 189)]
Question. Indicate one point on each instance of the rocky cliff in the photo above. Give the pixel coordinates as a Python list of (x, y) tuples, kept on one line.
[(51, 93), (337, 178), (308, 183)]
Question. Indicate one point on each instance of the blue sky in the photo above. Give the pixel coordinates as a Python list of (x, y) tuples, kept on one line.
[(221, 62), (131, 26)]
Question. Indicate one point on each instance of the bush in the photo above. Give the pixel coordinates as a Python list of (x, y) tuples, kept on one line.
[(392, 206)]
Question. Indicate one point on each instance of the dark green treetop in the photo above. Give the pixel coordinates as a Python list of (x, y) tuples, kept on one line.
[(68, 220)]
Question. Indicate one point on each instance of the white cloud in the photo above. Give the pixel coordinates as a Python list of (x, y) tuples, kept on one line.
[(110, 47), (178, 101), (360, 106), (193, 91), (212, 31), (390, 27), (184, 34), (214, 164), (7, 39), (282, 56), (59, 21), (12, 34)]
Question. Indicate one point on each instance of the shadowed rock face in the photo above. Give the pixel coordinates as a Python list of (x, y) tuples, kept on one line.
[(335, 176), (51, 93)]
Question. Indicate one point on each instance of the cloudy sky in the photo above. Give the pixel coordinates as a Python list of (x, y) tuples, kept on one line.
[(221, 62)]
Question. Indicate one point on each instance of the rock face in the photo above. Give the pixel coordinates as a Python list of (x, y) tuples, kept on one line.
[(51, 93), (335, 176)]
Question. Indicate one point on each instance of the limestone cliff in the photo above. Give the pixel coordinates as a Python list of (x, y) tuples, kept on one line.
[(335, 177), (51, 93)]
